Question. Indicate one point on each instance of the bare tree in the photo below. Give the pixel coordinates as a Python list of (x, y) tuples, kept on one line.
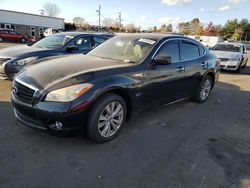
[(78, 21), (111, 25), (108, 22), (131, 28), (51, 10)]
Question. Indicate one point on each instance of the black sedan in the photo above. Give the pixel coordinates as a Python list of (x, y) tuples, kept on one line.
[(13, 59), (100, 90)]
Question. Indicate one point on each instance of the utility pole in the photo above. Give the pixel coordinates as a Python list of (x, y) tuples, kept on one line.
[(99, 15), (120, 19)]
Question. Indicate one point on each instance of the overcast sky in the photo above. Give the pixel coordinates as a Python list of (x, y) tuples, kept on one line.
[(145, 13)]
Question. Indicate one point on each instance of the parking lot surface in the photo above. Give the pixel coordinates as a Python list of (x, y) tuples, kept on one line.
[(182, 145)]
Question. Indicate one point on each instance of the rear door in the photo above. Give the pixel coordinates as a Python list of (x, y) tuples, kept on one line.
[(84, 44), (195, 64), (98, 40)]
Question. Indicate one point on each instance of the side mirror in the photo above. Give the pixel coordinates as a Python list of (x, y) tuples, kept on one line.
[(71, 48), (162, 60)]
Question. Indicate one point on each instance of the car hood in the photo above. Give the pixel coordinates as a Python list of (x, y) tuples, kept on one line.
[(224, 54), (17, 51), (76, 68)]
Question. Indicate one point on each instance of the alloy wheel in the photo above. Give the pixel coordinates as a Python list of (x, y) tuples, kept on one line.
[(110, 119), (205, 89)]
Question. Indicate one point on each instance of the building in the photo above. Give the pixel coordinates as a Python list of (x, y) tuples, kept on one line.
[(29, 24)]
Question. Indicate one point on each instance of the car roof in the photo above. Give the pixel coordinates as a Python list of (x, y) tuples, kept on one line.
[(153, 36), (77, 33), (232, 43)]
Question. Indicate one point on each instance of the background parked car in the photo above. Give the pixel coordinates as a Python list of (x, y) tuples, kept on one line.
[(233, 56), (13, 59), (11, 35)]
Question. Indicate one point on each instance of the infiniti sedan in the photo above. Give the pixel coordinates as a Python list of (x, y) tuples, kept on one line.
[(233, 56), (13, 59), (99, 91)]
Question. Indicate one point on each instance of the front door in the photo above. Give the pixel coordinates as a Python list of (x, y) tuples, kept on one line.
[(164, 83)]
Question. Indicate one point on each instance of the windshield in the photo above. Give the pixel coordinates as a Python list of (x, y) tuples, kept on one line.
[(127, 49), (53, 41), (227, 47)]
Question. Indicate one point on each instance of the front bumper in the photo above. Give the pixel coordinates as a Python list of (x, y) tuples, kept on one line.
[(38, 117), (2, 73), (7, 71), (229, 65)]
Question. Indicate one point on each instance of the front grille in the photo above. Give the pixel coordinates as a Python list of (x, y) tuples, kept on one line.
[(2, 60), (231, 67), (23, 93), (224, 59), (30, 121)]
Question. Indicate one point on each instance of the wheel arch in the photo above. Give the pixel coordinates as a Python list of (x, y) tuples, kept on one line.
[(212, 75), (122, 93)]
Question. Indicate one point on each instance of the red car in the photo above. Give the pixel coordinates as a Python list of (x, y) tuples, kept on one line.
[(11, 35)]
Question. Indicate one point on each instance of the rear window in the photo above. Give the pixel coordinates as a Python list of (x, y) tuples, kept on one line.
[(202, 51), (13, 32), (189, 51), (98, 40)]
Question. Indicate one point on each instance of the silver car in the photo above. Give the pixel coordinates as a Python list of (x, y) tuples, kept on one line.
[(233, 56)]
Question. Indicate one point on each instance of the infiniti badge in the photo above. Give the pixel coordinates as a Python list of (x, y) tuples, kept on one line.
[(15, 90)]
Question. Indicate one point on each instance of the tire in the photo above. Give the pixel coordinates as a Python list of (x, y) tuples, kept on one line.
[(238, 69), (11, 77), (205, 85), (244, 66), (101, 126), (1, 39), (22, 40)]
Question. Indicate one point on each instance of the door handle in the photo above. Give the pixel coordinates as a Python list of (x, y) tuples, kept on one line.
[(204, 64), (180, 69)]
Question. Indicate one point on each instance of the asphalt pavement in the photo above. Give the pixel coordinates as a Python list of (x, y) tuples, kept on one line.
[(184, 145)]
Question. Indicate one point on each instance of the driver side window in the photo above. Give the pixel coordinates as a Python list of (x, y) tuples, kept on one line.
[(170, 49), (82, 43)]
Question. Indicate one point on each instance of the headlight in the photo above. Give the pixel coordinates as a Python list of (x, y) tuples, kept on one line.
[(22, 62), (68, 93), (235, 58)]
